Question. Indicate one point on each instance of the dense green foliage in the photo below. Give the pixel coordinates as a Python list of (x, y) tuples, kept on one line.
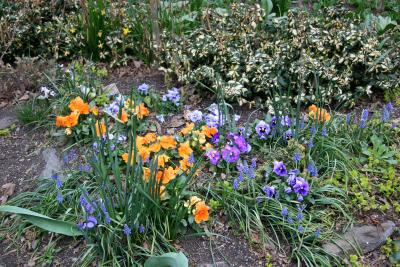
[(246, 59)]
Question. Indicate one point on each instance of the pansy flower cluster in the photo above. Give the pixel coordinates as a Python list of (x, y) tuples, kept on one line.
[(236, 145), (78, 107), (294, 183), (173, 96), (215, 117), (117, 106), (173, 156), (198, 208), (272, 129)]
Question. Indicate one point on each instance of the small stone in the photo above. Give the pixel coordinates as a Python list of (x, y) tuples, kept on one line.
[(53, 163), (111, 89), (367, 238), (7, 122)]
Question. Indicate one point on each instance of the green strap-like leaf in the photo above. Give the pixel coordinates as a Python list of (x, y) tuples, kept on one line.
[(44, 222), (170, 259)]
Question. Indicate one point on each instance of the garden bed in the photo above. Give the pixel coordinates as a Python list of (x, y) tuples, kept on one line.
[(200, 250), (199, 133)]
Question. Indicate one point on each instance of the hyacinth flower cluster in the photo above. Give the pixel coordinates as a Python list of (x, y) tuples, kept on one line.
[(59, 185), (295, 185), (93, 213), (246, 171), (364, 118), (386, 112), (138, 227), (297, 218)]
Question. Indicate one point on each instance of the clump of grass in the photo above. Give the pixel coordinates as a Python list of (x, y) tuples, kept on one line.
[(34, 112)]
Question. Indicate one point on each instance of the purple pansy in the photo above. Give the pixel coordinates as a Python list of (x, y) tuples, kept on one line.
[(241, 143), (301, 187), (274, 121), (195, 116), (269, 191), (262, 129), (230, 153), (143, 88), (280, 168), (288, 135), (214, 156)]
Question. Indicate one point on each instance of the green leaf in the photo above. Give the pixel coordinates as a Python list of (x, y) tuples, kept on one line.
[(170, 259), (44, 222), (267, 6)]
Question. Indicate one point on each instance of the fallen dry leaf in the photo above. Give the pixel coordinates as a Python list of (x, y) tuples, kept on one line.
[(25, 97), (8, 189), (137, 63), (255, 238), (176, 121), (3, 199), (31, 262)]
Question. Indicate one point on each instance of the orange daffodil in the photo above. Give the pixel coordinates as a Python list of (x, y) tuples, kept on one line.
[(322, 114)]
